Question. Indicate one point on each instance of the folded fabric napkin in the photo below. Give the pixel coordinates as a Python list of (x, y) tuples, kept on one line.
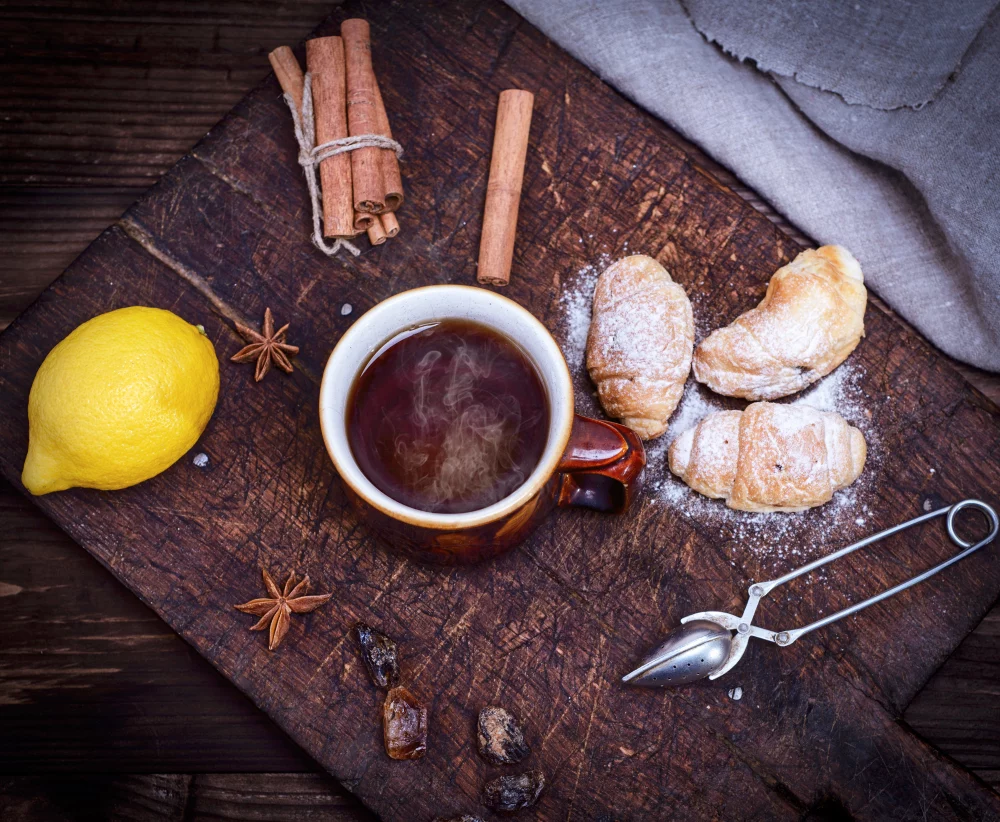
[(875, 125)]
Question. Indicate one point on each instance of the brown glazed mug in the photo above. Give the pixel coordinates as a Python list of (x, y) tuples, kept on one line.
[(586, 463)]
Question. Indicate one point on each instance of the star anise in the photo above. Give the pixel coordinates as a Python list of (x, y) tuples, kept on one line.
[(276, 609), (266, 347)]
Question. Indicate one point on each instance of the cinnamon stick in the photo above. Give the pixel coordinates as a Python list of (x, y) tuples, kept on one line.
[(376, 233), (362, 222), (391, 177), (325, 61), (503, 191), (366, 163), (289, 73), (389, 223)]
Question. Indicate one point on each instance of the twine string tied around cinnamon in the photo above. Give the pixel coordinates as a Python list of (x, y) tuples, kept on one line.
[(311, 155)]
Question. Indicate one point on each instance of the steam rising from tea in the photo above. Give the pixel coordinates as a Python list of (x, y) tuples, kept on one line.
[(448, 417), (457, 444)]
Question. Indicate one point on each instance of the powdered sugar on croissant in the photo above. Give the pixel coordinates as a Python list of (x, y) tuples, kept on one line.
[(810, 320), (770, 457), (640, 343)]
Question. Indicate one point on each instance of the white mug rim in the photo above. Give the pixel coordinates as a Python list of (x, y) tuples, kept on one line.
[(560, 397)]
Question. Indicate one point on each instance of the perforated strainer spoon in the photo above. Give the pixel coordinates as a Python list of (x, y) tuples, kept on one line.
[(710, 643)]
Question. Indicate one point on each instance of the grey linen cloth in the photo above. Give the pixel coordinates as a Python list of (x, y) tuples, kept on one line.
[(868, 123)]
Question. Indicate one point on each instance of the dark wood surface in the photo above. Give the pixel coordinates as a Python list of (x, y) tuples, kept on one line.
[(268, 797), (119, 639)]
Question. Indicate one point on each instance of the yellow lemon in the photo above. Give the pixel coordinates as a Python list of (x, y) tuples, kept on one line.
[(118, 401)]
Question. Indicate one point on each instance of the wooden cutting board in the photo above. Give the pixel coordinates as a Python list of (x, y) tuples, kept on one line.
[(548, 629)]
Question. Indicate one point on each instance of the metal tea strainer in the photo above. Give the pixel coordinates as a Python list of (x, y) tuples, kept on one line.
[(706, 645)]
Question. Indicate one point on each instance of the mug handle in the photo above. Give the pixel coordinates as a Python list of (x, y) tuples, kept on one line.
[(601, 467)]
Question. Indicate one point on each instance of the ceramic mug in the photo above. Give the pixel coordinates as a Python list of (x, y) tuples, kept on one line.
[(586, 463)]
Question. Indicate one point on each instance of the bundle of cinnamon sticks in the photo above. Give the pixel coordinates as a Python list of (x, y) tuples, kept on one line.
[(361, 189)]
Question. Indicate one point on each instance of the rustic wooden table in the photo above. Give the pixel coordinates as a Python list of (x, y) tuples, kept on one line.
[(104, 712)]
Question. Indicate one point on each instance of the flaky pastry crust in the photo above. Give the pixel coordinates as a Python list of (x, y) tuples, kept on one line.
[(810, 320), (640, 343), (770, 457)]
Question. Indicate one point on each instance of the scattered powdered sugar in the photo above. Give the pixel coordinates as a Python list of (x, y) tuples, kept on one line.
[(575, 304), (696, 403), (840, 391), (771, 542)]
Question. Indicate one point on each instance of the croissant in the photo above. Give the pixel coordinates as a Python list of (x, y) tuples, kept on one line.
[(640, 343), (769, 457), (810, 320)]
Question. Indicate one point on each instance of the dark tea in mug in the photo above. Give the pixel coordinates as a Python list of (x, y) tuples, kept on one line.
[(448, 417)]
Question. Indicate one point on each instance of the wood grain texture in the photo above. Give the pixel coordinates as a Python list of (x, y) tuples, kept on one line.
[(157, 228), (98, 71), (959, 709), (55, 694), (93, 682), (108, 96), (177, 798)]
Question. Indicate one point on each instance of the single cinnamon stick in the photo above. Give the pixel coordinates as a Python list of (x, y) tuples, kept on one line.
[(389, 223), (289, 73), (325, 61), (366, 163), (391, 177), (376, 233), (503, 191)]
